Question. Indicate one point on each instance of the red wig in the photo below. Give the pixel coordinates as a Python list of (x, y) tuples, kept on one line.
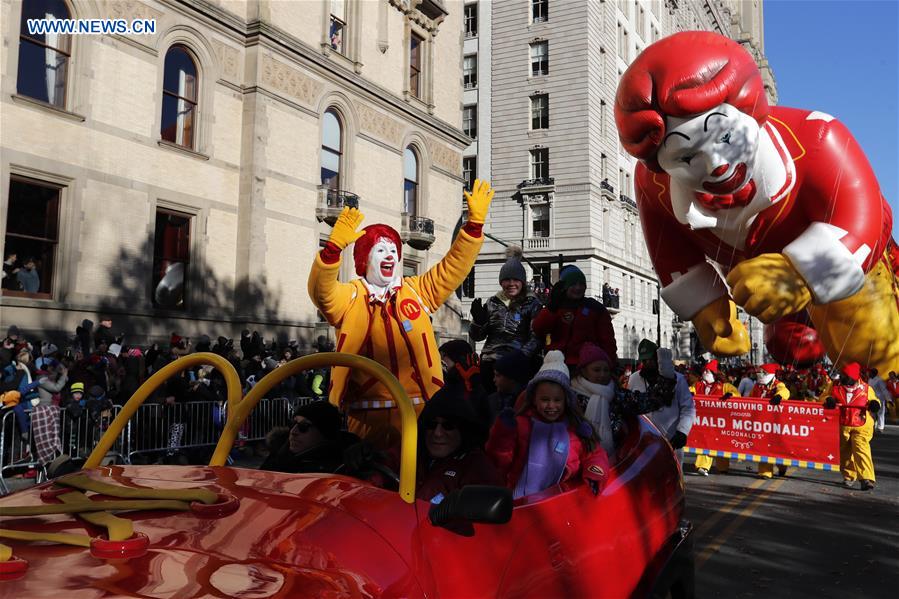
[(364, 244), (682, 75)]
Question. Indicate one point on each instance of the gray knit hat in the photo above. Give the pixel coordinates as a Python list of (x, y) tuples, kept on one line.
[(513, 269), (553, 370)]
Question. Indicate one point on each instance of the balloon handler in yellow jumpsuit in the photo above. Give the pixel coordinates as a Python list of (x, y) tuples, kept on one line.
[(856, 400), (387, 317), (713, 384)]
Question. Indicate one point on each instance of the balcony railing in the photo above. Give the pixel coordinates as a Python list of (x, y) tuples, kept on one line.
[(418, 231), (331, 202), (537, 182), (607, 189), (628, 201), (537, 243)]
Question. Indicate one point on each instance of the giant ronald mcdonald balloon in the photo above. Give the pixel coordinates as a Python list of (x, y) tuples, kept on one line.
[(386, 316), (779, 203)]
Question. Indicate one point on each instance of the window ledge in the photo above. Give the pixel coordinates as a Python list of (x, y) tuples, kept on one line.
[(19, 99), (538, 133), (173, 146), (26, 296)]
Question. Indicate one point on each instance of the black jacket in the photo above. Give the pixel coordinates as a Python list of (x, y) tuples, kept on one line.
[(508, 328), (325, 457)]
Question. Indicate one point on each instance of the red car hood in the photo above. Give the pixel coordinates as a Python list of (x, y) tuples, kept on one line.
[(291, 535)]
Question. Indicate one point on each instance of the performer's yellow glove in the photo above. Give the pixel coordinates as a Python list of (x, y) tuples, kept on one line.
[(719, 329), (768, 287), (479, 201), (344, 232)]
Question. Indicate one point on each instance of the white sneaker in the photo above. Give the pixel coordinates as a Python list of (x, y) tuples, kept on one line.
[(702, 472)]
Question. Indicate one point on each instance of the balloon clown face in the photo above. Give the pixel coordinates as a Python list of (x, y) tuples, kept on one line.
[(383, 262), (712, 152)]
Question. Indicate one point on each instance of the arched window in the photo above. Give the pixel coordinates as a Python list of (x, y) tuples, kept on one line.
[(332, 155), (410, 183), (43, 57), (179, 97)]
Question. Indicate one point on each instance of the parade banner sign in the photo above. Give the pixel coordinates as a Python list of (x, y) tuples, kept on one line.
[(793, 433)]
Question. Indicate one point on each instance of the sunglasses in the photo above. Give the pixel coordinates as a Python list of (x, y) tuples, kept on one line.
[(432, 425), (303, 427)]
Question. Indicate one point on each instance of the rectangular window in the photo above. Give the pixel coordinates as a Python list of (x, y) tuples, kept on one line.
[(171, 259), (415, 49), (410, 268), (539, 163), (641, 22), (470, 120), (540, 220), (539, 11), (470, 71), (620, 39), (470, 20), (337, 33), (32, 234), (469, 170), (540, 111), (539, 58), (468, 284)]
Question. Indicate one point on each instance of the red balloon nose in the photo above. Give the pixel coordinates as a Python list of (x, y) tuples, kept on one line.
[(720, 170)]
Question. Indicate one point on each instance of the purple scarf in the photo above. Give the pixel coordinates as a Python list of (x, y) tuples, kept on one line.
[(547, 456)]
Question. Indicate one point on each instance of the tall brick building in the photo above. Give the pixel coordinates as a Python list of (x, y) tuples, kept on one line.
[(183, 180)]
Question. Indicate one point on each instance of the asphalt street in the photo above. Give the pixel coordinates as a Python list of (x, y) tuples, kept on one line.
[(802, 535)]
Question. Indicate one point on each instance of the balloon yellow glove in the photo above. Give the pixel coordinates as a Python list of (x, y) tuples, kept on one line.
[(344, 232), (768, 287), (479, 201), (719, 330)]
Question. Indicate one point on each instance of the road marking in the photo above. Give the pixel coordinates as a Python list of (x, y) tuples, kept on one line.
[(716, 544), (713, 520)]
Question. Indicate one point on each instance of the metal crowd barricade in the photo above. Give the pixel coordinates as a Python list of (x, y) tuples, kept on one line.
[(150, 431), (79, 436), (158, 427), (16, 453)]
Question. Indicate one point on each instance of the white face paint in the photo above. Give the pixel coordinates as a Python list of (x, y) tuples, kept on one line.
[(765, 378), (383, 261), (713, 152), (708, 377)]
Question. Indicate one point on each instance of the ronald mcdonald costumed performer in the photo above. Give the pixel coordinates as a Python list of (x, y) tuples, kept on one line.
[(779, 203), (386, 316)]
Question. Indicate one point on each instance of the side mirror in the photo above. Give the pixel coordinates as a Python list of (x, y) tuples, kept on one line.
[(484, 504)]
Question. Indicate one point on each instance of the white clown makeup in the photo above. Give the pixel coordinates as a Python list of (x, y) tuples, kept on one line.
[(713, 152), (708, 377), (765, 378), (383, 265)]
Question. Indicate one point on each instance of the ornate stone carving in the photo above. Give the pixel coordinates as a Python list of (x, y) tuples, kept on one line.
[(228, 58), (290, 81), (378, 124), (445, 157), (130, 10)]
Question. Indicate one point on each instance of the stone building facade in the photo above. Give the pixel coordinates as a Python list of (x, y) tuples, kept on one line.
[(184, 180), (547, 73)]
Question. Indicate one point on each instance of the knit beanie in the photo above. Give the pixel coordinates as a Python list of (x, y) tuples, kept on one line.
[(77, 388), (592, 353), (456, 350), (514, 365), (552, 370), (323, 415), (647, 350), (571, 275), (513, 269), (372, 234)]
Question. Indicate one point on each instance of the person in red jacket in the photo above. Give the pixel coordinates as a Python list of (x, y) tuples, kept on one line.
[(570, 319), (767, 386), (893, 387), (855, 400), (548, 441)]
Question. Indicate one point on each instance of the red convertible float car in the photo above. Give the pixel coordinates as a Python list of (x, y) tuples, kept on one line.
[(218, 531)]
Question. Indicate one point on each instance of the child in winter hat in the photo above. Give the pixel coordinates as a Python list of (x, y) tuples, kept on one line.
[(547, 441)]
